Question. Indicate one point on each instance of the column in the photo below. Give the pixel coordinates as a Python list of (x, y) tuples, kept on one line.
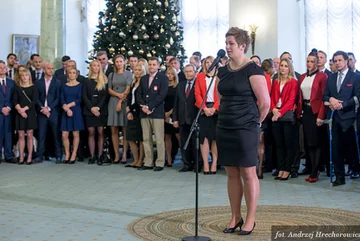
[(52, 38)]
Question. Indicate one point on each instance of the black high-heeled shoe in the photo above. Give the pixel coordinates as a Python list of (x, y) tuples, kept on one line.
[(243, 232), (28, 163), (66, 161), (284, 178), (72, 162), (212, 173), (20, 162), (238, 225), (91, 160), (206, 173), (277, 178)]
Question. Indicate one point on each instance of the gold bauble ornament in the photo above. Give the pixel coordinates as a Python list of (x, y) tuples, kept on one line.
[(130, 21), (166, 4), (143, 27), (153, 51), (123, 49), (118, 8), (171, 40), (162, 30), (141, 51), (111, 50), (135, 37), (130, 4), (145, 11), (162, 17), (158, 3), (149, 55), (177, 33), (156, 36), (145, 36), (113, 20)]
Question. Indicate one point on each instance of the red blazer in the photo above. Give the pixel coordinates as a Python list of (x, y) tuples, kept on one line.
[(316, 95), (288, 97), (268, 82), (200, 91)]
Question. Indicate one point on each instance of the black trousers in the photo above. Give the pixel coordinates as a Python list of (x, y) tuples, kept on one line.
[(286, 139), (188, 155), (343, 146), (270, 147)]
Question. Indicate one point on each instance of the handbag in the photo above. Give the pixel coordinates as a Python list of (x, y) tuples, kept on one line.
[(289, 116)]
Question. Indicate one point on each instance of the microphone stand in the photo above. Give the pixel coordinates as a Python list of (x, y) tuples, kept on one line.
[(195, 127)]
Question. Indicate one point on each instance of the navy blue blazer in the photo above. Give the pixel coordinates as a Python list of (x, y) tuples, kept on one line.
[(153, 96), (349, 94), (53, 97), (6, 98), (59, 72)]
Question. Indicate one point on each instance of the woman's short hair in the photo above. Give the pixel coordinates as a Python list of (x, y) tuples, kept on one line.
[(241, 36)]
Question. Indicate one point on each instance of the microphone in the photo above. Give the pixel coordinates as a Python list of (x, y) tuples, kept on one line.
[(220, 54)]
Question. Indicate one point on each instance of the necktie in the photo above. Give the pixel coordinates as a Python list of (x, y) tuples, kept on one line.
[(3, 86), (338, 84), (10, 74), (38, 75), (187, 92)]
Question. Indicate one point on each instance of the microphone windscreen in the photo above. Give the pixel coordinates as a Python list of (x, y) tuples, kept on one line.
[(221, 53)]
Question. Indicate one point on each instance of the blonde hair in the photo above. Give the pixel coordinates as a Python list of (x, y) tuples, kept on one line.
[(241, 36), (19, 81), (101, 79), (146, 65), (173, 70), (68, 71), (17, 73), (204, 63), (136, 81), (115, 58), (291, 71)]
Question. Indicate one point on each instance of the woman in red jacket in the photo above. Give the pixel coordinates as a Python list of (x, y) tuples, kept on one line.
[(208, 117), (311, 107), (283, 95)]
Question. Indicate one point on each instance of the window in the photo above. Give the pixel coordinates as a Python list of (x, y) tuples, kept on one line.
[(205, 24), (333, 25)]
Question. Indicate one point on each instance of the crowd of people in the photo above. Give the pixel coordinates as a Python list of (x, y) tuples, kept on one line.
[(130, 102)]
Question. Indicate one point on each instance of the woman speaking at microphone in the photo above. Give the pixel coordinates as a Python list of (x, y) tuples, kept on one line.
[(244, 104)]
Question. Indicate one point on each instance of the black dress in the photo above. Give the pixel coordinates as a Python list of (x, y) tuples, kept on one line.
[(168, 105), (237, 132), (133, 129), (19, 97), (91, 98)]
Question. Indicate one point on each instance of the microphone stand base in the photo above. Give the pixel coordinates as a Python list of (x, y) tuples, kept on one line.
[(196, 238)]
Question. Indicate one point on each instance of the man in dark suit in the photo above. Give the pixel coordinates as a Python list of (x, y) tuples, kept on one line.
[(322, 61), (104, 60), (62, 71), (7, 87), (342, 95), (48, 111), (184, 113), (151, 93), (175, 63), (133, 60), (352, 62), (11, 70), (38, 72)]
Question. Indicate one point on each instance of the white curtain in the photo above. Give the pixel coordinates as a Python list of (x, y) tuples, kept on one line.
[(205, 24), (333, 25)]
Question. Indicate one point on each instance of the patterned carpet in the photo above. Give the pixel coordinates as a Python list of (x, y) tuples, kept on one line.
[(174, 225)]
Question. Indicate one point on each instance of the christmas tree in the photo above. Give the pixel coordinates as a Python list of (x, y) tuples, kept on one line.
[(143, 28)]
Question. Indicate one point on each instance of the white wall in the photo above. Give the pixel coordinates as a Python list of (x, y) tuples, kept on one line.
[(291, 31), (263, 14), (76, 35), (13, 14), (24, 17), (281, 27)]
